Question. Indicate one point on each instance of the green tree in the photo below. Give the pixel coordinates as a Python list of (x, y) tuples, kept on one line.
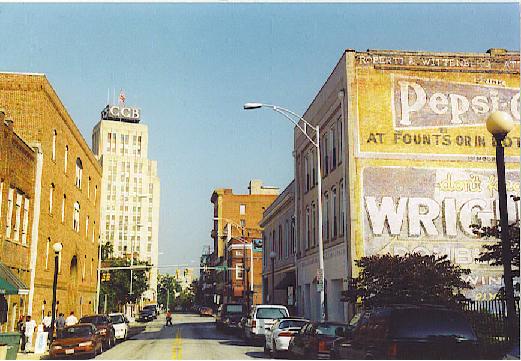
[(492, 253), (167, 289), (412, 278), (117, 288)]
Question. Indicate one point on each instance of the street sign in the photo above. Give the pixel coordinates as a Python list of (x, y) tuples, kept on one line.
[(320, 280)]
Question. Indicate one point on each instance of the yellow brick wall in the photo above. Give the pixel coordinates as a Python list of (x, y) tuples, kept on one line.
[(37, 111)]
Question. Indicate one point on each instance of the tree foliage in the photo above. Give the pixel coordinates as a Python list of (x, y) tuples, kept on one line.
[(412, 278), (493, 253), (117, 288), (168, 287)]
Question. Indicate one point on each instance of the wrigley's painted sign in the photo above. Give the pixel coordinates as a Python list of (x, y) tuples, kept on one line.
[(430, 211)]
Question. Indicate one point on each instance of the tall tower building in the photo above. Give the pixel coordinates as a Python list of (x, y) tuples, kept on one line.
[(129, 187)]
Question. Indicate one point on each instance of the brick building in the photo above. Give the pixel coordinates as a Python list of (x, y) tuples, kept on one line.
[(18, 166), (68, 206), (237, 217), (407, 165)]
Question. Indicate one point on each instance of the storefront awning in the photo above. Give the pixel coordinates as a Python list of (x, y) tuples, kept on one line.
[(10, 284), (287, 280)]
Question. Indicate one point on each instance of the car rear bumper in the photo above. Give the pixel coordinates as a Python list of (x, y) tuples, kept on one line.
[(85, 350), (282, 343)]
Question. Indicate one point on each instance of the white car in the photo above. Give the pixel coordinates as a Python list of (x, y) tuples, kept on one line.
[(279, 335), (261, 318), (120, 324)]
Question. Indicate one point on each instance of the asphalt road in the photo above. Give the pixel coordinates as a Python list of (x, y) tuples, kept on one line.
[(191, 337)]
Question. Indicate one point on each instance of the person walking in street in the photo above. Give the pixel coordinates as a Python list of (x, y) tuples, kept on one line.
[(169, 318), (71, 320), (20, 326), (30, 328), (60, 325), (47, 320)]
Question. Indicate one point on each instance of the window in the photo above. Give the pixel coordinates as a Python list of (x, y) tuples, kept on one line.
[(54, 134), (84, 268), (63, 208), (286, 239), (9, 217), (332, 135), (292, 235), (280, 241), (51, 196), (238, 271), (66, 157), (340, 129), (95, 194), (94, 230), (18, 211), (243, 223), (308, 238), (314, 167), (342, 207), (334, 229), (326, 217), (242, 209), (87, 227), (25, 222), (76, 217), (79, 172), (325, 150), (313, 224), (306, 171), (47, 246), (88, 188)]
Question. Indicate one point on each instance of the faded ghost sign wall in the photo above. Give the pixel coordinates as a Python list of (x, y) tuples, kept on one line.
[(431, 211)]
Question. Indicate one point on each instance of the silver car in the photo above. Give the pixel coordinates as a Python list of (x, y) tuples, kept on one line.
[(279, 335)]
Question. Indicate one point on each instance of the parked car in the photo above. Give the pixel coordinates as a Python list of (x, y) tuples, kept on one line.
[(314, 340), (409, 332), (146, 315), (228, 316), (80, 339), (120, 324), (154, 308), (104, 326), (280, 334), (260, 318), (205, 311)]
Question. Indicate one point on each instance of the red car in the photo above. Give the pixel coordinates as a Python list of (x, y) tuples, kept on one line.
[(80, 339)]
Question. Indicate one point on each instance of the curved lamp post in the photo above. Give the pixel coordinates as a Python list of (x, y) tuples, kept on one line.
[(499, 124), (288, 114), (57, 247)]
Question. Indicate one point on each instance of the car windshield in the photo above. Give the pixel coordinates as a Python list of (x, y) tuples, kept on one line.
[(234, 308), (71, 332), (271, 313), (428, 323), (292, 323), (93, 319), (328, 329), (150, 307), (117, 319)]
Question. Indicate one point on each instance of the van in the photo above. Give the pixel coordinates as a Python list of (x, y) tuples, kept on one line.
[(260, 319)]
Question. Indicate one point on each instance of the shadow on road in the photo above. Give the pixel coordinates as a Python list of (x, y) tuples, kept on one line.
[(256, 354)]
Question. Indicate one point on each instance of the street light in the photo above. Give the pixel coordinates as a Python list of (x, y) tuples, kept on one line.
[(272, 257), (288, 114), (499, 124), (57, 247)]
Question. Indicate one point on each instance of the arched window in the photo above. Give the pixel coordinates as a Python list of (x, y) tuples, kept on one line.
[(63, 207), (76, 217), (66, 158), (51, 196), (286, 239), (54, 134), (47, 247), (280, 241), (325, 229), (334, 229), (79, 172), (313, 224), (342, 201), (307, 229)]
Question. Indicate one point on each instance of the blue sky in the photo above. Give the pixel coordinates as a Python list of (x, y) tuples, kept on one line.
[(190, 67)]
